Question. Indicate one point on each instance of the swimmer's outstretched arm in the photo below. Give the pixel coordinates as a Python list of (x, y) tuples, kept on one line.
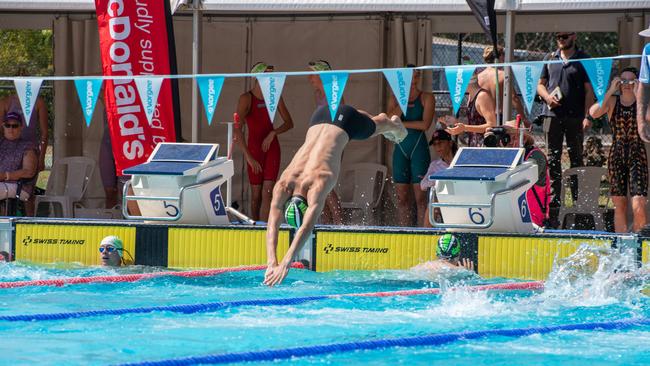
[(276, 272), (280, 196)]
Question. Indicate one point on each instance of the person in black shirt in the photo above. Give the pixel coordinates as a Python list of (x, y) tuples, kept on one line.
[(565, 88)]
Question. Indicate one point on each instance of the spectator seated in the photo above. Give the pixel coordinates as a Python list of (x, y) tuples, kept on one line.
[(18, 162), (485, 189), (181, 183)]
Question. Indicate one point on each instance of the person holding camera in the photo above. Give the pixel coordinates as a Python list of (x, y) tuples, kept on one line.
[(628, 165), (568, 94), (538, 196)]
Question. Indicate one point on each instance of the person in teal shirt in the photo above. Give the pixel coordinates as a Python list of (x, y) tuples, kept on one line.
[(411, 157)]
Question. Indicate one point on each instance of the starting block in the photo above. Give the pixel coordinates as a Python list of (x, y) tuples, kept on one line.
[(180, 182), (484, 189)]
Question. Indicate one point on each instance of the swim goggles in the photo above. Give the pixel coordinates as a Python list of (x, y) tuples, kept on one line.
[(109, 248)]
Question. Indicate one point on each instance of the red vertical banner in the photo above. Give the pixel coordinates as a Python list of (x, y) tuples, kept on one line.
[(135, 39)]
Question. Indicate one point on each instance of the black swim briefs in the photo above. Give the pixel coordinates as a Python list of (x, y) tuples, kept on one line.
[(358, 126)]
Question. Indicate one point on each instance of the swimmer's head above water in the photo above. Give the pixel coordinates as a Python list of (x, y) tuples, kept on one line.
[(448, 247)]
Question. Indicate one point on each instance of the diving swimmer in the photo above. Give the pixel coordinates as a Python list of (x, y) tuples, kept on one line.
[(301, 191)]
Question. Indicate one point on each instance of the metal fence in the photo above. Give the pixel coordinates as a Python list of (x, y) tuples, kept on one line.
[(455, 49)]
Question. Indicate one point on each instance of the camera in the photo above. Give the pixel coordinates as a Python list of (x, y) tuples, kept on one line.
[(497, 137)]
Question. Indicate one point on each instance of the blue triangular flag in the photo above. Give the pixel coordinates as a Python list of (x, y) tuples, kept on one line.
[(400, 82), (210, 89), (88, 91), (598, 71), (27, 90), (271, 85), (334, 85), (457, 80), (527, 76)]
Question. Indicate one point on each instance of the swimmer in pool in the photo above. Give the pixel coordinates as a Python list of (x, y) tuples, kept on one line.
[(448, 257), (301, 191), (110, 251)]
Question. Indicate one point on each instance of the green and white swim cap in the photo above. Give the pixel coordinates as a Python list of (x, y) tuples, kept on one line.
[(294, 211), (448, 247)]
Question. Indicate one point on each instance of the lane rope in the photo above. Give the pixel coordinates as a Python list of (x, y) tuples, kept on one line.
[(134, 277), (433, 340), (215, 306)]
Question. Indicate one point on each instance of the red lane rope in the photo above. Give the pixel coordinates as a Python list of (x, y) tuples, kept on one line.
[(536, 285), (133, 277)]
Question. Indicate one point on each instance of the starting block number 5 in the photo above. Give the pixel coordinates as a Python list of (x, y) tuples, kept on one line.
[(170, 210)]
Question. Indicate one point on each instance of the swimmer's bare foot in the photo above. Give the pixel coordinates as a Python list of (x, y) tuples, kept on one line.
[(397, 132)]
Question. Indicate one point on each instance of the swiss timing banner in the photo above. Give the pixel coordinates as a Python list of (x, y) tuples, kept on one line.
[(136, 38)]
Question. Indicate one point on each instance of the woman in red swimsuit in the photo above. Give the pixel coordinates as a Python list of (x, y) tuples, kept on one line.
[(261, 150)]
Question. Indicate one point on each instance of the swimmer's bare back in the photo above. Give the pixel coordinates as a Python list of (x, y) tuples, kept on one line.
[(318, 161)]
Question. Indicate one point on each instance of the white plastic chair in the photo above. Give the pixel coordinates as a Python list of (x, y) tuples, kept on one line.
[(67, 183), (589, 179), (368, 181)]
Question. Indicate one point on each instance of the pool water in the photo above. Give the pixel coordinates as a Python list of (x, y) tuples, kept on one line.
[(162, 335)]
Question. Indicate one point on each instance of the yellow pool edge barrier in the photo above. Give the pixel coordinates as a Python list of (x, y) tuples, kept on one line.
[(526, 257)]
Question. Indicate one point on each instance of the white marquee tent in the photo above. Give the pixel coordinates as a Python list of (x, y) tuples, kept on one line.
[(289, 33)]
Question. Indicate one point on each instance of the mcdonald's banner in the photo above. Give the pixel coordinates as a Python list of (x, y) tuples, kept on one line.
[(136, 38)]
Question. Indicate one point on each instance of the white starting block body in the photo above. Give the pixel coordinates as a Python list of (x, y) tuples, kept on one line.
[(180, 182), (484, 189)]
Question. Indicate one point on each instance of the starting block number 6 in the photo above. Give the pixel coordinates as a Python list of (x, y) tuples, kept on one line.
[(476, 215)]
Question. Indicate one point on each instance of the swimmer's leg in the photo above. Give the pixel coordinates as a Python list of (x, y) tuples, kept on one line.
[(391, 128)]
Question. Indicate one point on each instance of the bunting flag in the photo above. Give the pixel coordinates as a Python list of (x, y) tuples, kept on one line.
[(598, 71), (210, 88), (148, 89), (27, 90), (527, 76), (88, 91), (271, 85), (400, 82), (334, 85), (457, 81)]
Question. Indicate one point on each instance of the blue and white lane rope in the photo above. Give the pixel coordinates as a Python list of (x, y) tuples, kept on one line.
[(426, 340)]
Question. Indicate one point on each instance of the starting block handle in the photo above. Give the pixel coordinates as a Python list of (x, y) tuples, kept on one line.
[(433, 205), (179, 199)]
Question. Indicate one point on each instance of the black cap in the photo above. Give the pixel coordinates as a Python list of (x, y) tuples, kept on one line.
[(440, 135)]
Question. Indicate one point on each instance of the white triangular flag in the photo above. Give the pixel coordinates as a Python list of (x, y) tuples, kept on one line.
[(271, 86), (27, 90), (148, 89)]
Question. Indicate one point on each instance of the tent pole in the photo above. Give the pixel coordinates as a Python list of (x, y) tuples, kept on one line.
[(509, 50), (197, 22)]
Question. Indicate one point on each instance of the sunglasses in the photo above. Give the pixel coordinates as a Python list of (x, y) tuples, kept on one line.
[(11, 125), (109, 249), (563, 37)]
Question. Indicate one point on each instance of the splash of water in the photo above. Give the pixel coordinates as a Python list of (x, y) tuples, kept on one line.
[(594, 276)]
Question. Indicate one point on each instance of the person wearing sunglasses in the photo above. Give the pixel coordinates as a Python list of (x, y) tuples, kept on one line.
[(19, 159), (262, 149), (36, 131), (111, 251), (627, 163), (568, 94)]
